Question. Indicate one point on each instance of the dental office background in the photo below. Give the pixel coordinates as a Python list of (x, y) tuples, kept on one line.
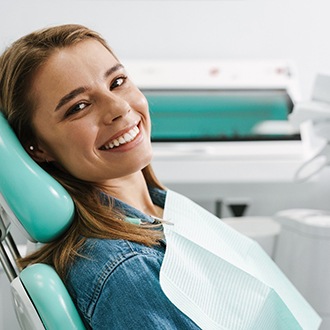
[(230, 179)]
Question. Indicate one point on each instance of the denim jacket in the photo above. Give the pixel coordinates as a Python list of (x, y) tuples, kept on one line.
[(116, 284)]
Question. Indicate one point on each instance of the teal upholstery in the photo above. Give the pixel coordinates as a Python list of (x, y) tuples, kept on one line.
[(42, 206), (50, 297)]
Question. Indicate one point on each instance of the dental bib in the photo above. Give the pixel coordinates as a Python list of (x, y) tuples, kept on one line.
[(224, 280)]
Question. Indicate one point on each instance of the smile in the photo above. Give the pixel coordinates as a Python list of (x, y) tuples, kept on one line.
[(123, 139)]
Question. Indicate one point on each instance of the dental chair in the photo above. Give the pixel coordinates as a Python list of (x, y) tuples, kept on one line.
[(43, 210)]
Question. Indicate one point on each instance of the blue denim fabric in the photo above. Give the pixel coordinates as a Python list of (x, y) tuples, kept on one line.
[(116, 284)]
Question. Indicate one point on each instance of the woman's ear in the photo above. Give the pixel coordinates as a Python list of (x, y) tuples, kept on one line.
[(37, 154)]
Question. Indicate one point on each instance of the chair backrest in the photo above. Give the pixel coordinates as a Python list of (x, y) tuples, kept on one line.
[(43, 210), (38, 203)]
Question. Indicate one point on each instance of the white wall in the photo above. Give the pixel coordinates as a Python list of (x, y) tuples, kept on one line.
[(286, 29)]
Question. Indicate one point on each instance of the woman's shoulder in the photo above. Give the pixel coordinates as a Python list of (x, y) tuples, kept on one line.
[(99, 250), (98, 260), (104, 255)]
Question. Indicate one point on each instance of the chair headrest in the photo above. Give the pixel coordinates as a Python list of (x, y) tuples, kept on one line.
[(28, 194)]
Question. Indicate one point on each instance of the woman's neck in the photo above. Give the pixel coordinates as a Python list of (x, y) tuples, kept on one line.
[(133, 190)]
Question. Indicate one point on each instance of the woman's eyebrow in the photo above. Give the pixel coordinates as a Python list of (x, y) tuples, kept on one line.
[(116, 67), (71, 95), (68, 97)]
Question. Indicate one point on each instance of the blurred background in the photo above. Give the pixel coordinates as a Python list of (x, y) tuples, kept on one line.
[(183, 29)]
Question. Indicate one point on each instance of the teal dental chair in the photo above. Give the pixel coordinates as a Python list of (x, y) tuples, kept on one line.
[(43, 210)]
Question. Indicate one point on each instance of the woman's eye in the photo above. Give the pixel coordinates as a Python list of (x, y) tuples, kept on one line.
[(76, 108), (117, 82)]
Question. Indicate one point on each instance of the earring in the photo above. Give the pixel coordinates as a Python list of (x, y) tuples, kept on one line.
[(31, 148)]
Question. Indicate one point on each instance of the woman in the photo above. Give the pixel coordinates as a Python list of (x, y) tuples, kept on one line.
[(78, 114)]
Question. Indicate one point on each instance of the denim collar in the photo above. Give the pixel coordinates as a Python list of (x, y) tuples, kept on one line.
[(157, 195)]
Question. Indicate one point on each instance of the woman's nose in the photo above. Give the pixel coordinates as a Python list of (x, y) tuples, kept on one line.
[(113, 108)]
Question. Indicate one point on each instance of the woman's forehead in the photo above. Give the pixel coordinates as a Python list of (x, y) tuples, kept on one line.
[(90, 52)]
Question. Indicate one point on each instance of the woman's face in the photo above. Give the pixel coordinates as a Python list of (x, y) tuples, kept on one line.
[(89, 117)]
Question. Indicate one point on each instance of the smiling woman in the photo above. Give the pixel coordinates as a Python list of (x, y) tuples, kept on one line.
[(80, 117)]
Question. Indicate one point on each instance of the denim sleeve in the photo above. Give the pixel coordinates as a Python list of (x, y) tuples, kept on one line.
[(132, 298)]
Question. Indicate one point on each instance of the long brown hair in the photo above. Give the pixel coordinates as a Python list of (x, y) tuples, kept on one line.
[(18, 64)]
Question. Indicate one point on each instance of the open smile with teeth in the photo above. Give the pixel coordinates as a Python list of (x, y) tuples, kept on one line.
[(123, 139)]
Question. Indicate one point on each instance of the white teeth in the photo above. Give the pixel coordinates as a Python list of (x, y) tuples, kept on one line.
[(127, 137)]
